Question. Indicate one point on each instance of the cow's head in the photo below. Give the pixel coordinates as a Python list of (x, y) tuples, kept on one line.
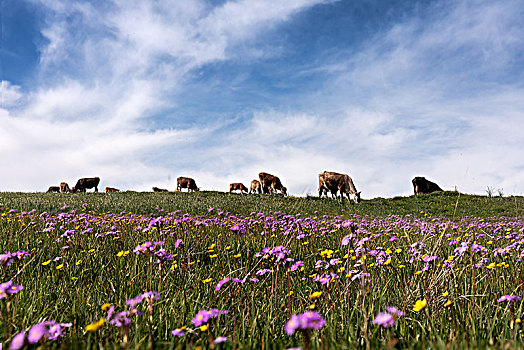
[(356, 197), (284, 191)]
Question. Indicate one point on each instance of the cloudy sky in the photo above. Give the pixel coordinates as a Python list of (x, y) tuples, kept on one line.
[(141, 92)]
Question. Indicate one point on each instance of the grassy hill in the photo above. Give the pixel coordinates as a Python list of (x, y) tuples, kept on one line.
[(446, 204)]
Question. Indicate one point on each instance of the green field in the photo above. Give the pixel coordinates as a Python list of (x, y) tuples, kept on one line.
[(452, 255)]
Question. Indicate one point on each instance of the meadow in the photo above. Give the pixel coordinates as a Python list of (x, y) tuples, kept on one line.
[(208, 270)]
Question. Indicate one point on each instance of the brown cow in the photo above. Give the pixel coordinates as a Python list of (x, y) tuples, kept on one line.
[(53, 189), (255, 187), (156, 189), (64, 187), (237, 186), (85, 183), (271, 183), (112, 189), (421, 185), (334, 182), (186, 182)]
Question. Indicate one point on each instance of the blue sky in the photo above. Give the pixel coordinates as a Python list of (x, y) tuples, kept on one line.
[(140, 92)]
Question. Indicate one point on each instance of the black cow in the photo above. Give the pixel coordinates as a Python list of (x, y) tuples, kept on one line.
[(85, 183), (421, 185)]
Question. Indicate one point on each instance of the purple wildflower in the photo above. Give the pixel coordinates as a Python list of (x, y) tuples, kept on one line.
[(509, 298), (394, 311), (307, 320), (178, 332), (18, 341), (219, 340), (384, 319), (201, 318), (36, 333), (221, 283)]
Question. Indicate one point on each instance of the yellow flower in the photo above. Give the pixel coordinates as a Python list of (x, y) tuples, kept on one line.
[(518, 321), (174, 266), (59, 267), (90, 251), (398, 250), (312, 307), (106, 306), (388, 251), (387, 262), (78, 262), (315, 295), (489, 242), (237, 255), (46, 262), (204, 327), (445, 294), (207, 280), (491, 266), (190, 263), (341, 269), (93, 327), (120, 253), (419, 305), (289, 294), (228, 247), (418, 272), (401, 266), (448, 303)]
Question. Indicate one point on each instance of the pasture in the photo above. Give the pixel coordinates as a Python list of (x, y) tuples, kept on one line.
[(211, 270)]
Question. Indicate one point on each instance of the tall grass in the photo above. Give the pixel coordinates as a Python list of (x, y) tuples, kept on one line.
[(378, 254)]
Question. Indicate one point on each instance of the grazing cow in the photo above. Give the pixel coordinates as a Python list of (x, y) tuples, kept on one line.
[(112, 189), (237, 186), (156, 189), (255, 187), (130, 191), (186, 182), (271, 183), (85, 183), (53, 189), (334, 182), (421, 185), (64, 187)]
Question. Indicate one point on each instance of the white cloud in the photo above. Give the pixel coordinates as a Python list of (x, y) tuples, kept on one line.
[(10, 94)]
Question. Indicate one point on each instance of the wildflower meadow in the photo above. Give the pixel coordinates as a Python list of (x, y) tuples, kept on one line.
[(209, 270)]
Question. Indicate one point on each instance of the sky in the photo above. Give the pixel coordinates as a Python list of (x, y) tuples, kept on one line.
[(140, 92)]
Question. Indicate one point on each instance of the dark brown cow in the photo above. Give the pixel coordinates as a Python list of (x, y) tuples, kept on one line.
[(156, 189), (237, 186), (334, 182), (112, 189), (255, 187), (130, 191), (64, 187), (271, 183), (85, 183), (186, 182), (53, 189), (421, 185)]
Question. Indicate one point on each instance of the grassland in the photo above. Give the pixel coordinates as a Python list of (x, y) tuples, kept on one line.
[(444, 260)]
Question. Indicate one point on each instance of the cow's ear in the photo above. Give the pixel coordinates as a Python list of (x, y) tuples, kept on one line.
[(359, 193)]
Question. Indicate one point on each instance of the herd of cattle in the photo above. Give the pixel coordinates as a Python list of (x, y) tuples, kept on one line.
[(328, 181)]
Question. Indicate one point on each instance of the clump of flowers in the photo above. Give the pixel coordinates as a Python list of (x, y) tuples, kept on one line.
[(307, 320), (387, 319), (39, 332), (204, 316), (8, 258), (8, 288)]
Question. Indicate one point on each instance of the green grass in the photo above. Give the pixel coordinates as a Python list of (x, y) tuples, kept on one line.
[(448, 204), (95, 269)]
